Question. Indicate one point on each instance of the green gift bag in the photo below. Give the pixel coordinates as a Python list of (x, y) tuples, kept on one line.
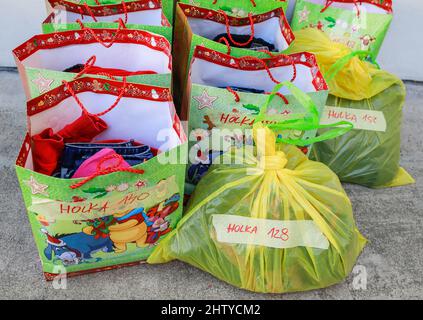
[(262, 23), (218, 106), (140, 54), (116, 216), (360, 25), (145, 12)]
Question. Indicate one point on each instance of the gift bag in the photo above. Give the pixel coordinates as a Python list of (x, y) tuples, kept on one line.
[(117, 214), (370, 98), (45, 60), (144, 12), (225, 94), (270, 221), (360, 25), (262, 26)]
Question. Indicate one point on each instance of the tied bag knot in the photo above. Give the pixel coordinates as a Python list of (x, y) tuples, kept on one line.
[(273, 163)]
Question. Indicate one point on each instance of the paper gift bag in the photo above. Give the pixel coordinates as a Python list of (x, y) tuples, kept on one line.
[(217, 99), (43, 59), (116, 216), (136, 13), (360, 25), (147, 12), (200, 25)]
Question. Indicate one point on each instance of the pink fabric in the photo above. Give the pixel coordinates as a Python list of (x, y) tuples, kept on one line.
[(97, 163)]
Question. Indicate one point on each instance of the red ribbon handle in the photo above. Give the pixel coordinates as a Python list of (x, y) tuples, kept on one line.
[(121, 26), (107, 170), (252, 2), (81, 105), (228, 30)]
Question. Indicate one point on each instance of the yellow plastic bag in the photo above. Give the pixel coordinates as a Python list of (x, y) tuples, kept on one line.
[(368, 157), (267, 220)]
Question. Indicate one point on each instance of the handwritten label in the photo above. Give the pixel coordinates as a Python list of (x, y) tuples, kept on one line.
[(361, 119), (269, 233), (115, 202)]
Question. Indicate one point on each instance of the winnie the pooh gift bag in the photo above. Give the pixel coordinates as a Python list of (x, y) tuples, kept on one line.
[(97, 182), (267, 219)]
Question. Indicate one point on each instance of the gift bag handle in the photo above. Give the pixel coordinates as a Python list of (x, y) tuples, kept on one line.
[(80, 104), (90, 12), (330, 2), (228, 29), (101, 171), (309, 122), (121, 26), (88, 9)]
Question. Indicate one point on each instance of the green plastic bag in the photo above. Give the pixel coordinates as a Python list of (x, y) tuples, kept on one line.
[(372, 99), (275, 223), (360, 25), (268, 219)]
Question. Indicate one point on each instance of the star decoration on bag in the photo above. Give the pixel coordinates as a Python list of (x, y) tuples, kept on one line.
[(36, 187), (303, 15), (141, 184), (205, 101), (42, 83)]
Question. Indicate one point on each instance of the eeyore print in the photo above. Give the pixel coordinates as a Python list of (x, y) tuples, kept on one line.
[(75, 248)]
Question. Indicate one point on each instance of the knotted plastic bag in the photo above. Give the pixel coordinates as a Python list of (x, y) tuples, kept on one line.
[(372, 99), (267, 220)]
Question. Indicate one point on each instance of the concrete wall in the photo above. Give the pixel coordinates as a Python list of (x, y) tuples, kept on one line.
[(402, 52)]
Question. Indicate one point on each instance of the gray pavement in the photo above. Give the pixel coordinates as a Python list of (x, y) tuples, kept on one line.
[(391, 219)]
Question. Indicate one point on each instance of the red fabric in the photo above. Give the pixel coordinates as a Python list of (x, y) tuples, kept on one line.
[(47, 147)]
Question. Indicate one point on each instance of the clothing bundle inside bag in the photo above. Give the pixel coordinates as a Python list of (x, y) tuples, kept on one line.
[(76, 155)]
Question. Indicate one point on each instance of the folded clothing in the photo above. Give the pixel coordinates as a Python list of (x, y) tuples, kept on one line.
[(257, 43), (75, 154), (101, 160), (47, 146)]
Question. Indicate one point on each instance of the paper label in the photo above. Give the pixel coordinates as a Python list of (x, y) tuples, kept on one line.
[(361, 119), (114, 202), (269, 233)]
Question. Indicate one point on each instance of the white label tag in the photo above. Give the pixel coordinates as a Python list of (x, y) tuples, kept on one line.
[(361, 119), (269, 233)]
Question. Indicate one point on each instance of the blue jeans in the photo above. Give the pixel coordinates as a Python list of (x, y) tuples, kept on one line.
[(76, 153)]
